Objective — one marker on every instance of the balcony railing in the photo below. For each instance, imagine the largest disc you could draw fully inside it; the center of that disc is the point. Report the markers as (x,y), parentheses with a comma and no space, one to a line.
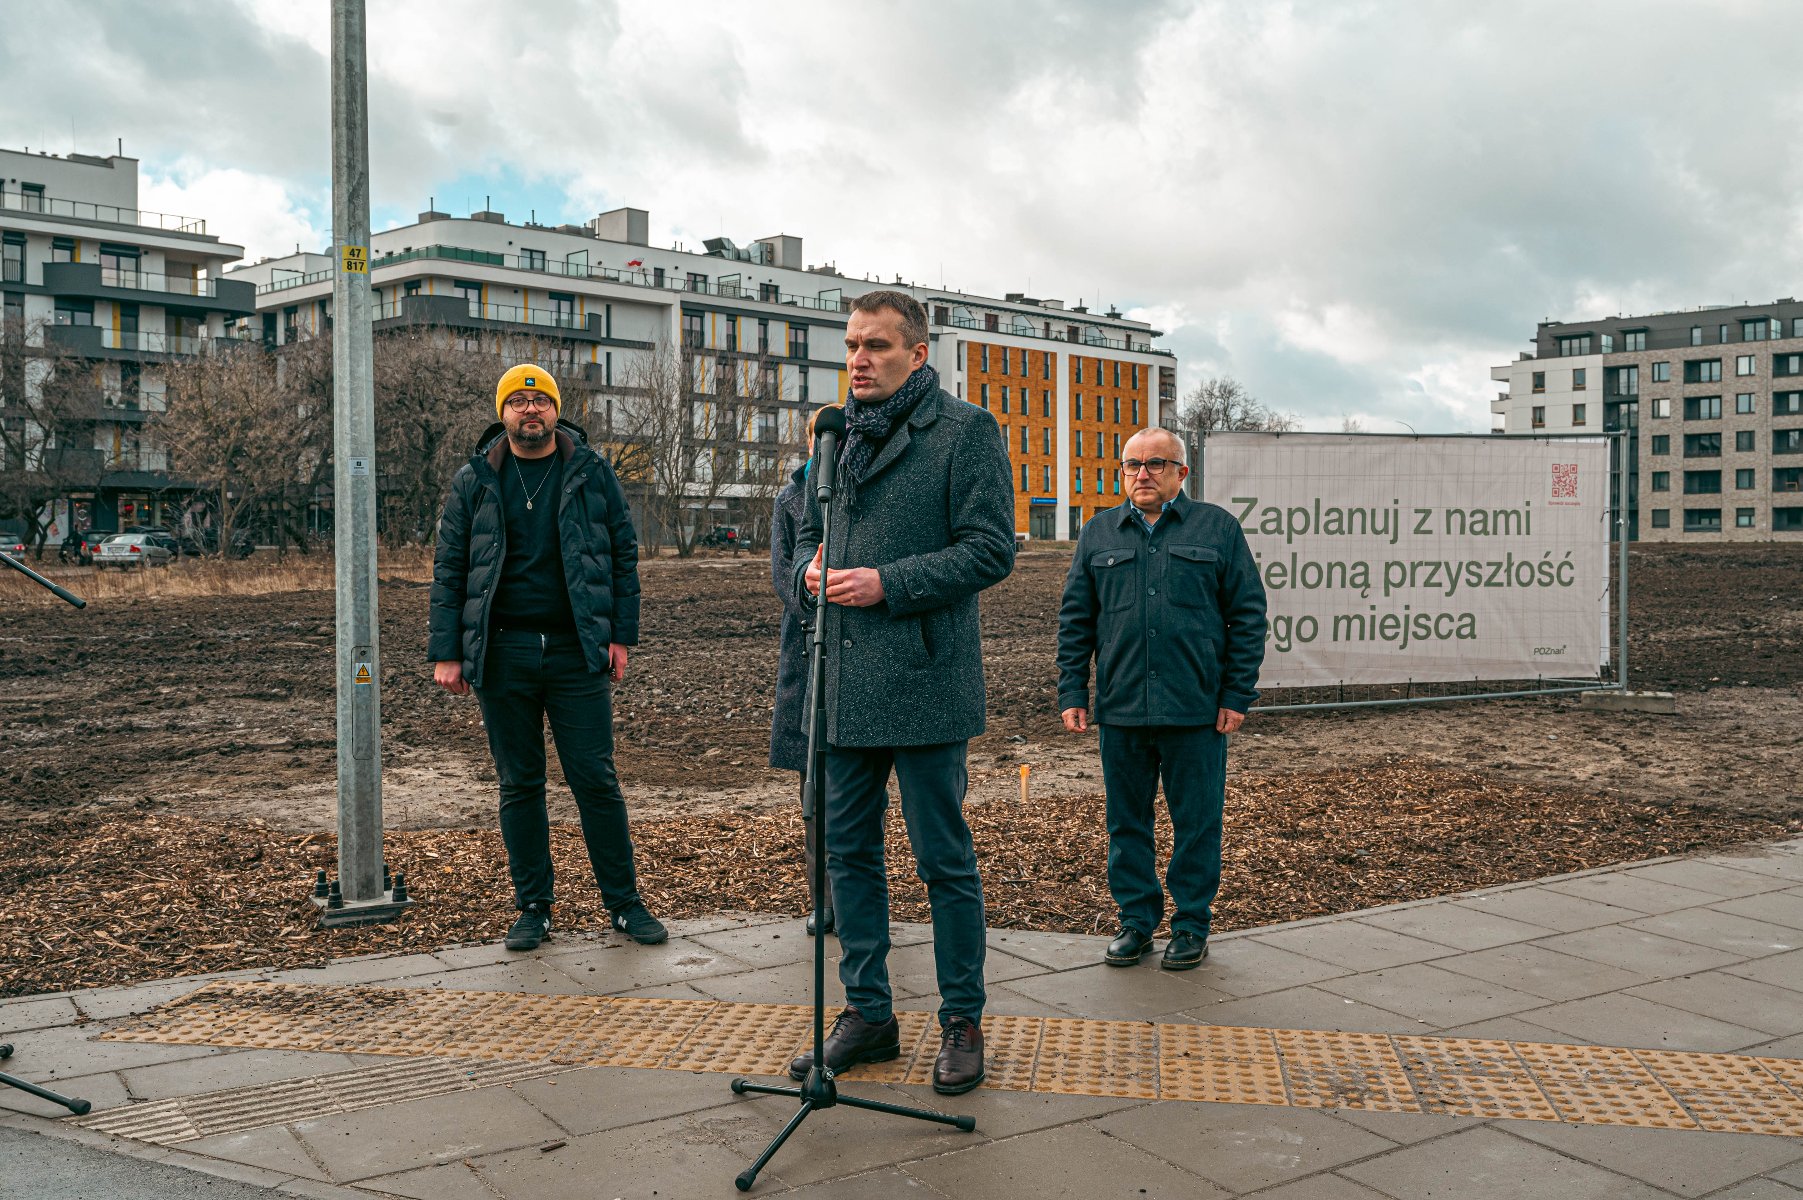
(1089,337)
(152,281)
(82,210)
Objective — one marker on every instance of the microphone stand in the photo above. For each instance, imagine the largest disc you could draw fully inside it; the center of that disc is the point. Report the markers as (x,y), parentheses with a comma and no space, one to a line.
(818,1090)
(78,1107)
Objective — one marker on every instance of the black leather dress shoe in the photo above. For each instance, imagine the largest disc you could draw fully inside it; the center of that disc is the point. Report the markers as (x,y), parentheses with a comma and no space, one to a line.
(814,916)
(960,1064)
(1184,951)
(1126,949)
(851,1041)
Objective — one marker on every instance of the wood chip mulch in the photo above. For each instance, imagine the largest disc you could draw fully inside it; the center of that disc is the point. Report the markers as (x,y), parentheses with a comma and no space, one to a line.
(91,899)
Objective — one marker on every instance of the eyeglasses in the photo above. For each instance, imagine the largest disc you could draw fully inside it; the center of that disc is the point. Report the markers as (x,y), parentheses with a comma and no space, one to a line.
(1153,466)
(526,400)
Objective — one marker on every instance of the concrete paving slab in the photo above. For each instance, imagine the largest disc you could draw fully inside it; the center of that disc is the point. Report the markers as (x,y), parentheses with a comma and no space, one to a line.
(792,983)
(487,954)
(420,1133)
(1780,862)
(625,966)
(1623,1020)
(1784,970)
(1079,1162)
(1690,1163)
(376,969)
(1760,1189)
(18,1015)
(534,973)
(1485,1163)
(1003,1001)
(1715,878)
(1775,908)
(1354,946)
(274,1149)
(1125,993)
(1002,1114)
(1460,928)
(1243,1147)
(229,1069)
(1507,1029)
(1436,997)
(683,1156)
(1542,972)
(765,945)
(1742,936)
(1305,1008)
(1792,1175)
(846,1141)
(1322,1187)
(912,970)
(453,1181)
(72,1051)
(103,1090)
(889,1184)
(1748,1002)
(1540,905)
(1623,890)
(1643,953)
(107,1004)
(1405,1129)
(1053,951)
(59,1170)
(1248,967)
(598,1098)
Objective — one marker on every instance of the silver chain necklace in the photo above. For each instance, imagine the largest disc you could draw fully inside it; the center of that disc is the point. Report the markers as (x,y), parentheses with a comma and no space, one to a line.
(533,494)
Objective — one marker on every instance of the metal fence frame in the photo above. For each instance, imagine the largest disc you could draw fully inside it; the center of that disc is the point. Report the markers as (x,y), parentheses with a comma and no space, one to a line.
(1544,686)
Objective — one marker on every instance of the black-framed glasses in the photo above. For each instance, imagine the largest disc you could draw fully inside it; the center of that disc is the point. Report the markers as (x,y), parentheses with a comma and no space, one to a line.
(525,400)
(1153,466)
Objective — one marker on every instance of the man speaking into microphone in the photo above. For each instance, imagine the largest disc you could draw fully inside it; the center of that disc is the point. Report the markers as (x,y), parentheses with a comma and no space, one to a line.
(923,520)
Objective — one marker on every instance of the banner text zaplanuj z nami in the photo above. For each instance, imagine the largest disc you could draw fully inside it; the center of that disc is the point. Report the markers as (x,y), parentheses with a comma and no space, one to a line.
(1430,559)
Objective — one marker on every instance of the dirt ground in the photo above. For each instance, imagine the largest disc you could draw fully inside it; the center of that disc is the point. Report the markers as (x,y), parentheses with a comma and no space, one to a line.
(222,707)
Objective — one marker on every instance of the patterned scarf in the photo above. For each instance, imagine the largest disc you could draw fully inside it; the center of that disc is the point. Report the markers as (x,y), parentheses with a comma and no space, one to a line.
(868,426)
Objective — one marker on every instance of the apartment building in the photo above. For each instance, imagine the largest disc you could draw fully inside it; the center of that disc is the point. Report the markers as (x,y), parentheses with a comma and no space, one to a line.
(1712,401)
(85,272)
(759,333)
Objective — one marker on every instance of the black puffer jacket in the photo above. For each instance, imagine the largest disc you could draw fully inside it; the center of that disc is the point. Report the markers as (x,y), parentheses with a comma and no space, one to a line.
(594,529)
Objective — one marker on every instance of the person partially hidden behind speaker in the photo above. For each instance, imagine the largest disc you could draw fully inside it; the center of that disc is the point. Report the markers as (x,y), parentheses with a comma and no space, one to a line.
(535,598)
(923,520)
(792,710)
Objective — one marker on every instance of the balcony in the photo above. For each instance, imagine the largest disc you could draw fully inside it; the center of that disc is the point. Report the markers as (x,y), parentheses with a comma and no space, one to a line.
(93,341)
(106,214)
(1090,338)
(456,311)
(150,287)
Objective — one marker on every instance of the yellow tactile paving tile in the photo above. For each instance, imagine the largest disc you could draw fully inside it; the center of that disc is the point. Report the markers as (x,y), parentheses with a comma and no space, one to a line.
(1539,1081)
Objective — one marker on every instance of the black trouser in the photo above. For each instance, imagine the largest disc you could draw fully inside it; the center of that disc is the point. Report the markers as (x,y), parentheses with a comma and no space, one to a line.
(820,902)
(528,677)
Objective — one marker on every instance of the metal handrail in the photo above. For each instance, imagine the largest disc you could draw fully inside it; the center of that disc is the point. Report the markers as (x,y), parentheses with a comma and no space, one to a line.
(83,210)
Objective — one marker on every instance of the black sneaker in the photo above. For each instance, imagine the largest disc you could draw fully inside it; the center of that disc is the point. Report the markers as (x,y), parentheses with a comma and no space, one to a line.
(638,924)
(533,927)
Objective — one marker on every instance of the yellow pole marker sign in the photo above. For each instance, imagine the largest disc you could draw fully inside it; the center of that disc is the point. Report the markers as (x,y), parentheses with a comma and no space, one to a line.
(355,260)
(1025,770)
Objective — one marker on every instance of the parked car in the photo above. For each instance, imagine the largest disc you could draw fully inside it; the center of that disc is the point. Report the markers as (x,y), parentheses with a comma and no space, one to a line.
(92,539)
(181,543)
(726,537)
(141,550)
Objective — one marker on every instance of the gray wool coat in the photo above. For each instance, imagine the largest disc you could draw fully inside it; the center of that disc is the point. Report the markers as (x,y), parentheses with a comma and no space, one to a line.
(935,517)
(789,717)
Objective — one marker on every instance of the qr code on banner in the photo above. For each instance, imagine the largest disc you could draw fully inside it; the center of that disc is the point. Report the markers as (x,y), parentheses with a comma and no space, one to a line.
(1565,483)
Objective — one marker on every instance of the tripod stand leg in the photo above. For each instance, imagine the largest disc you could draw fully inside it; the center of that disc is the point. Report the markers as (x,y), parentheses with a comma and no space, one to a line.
(79,1107)
(920,1114)
(749,1175)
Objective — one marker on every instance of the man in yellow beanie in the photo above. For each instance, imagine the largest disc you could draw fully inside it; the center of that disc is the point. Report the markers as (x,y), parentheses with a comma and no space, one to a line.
(535,598)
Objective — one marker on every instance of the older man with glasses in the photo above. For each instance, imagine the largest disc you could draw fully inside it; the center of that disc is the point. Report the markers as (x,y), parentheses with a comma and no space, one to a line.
(1163,594)
(535,598)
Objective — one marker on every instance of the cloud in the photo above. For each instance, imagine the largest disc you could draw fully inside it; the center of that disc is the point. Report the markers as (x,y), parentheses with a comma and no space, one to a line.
(256,211)
(1351,207)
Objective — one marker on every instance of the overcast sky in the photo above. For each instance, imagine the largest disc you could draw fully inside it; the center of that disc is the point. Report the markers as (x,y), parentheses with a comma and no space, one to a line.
(1355,209)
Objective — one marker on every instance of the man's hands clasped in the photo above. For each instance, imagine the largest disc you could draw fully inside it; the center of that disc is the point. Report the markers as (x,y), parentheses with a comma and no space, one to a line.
(854,587)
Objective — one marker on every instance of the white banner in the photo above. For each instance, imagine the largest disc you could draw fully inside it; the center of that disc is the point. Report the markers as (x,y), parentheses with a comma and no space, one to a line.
(1433,559)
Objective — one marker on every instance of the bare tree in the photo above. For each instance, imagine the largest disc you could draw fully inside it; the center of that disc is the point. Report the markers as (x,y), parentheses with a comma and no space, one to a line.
(1351,425)
(49,403)
(433,400)
(1223,405)
(680,441)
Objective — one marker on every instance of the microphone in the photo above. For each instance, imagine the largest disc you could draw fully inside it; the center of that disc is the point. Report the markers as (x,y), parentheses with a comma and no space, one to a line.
(829,426)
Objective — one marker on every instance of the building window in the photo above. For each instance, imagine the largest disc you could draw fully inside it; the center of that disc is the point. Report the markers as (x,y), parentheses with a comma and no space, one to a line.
(726,379)
(1579,379)
(1007,356)
(1743,479)
(657,277)
(1004,396)
(1743,518)
(1633,340)
(1626,380)
(1077,443)
(1576,345)
(1662,518)
(1077,366)
(1721,334)
(1023,439)
(1539,415)
(1662,406)
(1743,440)
(62,250)
(1046,479)
(983,358)
(801,384)
(73,312)
(31,197)
(1756,330)
(1787,479)
(12,259)
(798,341)
(731,325)
(1743,364)
(1743,403)
(1796,327)
(1787,441)
(1077,406)
(1703,370)
(1662,443)
(1045,440)
(1136,412)
(697,282)
(1696,335)
(1703,520)
(1077,482)
(1023,477)
(694,328)
(1702,408)
(1787,364)
(1662,481)
(1702,445)
(1577,414)
(1702,483)
(1045,402)
(1539,382)
(532,260)
(1662,372)
(983,394)
(769,382)
(1117,383)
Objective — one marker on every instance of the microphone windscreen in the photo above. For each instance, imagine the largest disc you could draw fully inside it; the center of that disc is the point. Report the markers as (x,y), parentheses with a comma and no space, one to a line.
(831,420)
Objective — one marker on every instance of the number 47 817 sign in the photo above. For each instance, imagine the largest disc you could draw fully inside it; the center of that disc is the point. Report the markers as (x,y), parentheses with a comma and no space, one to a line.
(355,260)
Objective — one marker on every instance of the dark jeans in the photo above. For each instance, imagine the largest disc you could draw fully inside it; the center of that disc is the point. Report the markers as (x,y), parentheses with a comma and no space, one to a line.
(527,678)
(819,902)
(1192,760)
(932,781)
